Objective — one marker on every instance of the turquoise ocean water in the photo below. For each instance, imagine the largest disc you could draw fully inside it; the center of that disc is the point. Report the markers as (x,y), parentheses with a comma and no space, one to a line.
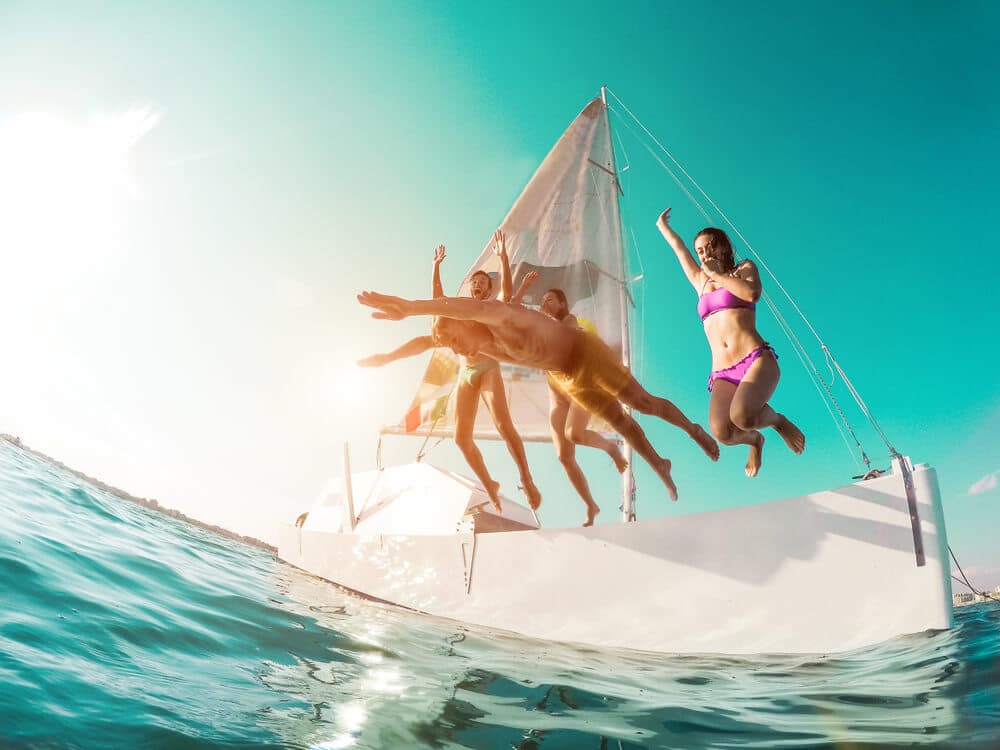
(124,628)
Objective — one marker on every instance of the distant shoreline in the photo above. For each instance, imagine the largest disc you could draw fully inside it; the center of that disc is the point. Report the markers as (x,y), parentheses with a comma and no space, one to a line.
(151,504)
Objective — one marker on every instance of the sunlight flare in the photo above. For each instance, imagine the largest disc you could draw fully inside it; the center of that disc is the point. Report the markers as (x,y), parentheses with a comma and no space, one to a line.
(66,183)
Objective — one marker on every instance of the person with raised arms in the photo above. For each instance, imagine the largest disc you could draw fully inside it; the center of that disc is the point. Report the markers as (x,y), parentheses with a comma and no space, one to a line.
(582,366)
(744,366)
(479,376)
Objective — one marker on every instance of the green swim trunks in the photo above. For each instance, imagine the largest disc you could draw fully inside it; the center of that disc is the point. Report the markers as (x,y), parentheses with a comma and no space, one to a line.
(471,374)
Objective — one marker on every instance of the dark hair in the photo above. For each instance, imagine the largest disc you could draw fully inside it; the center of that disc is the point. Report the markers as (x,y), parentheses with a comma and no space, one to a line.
(481,271)
(560,295)
(721,240)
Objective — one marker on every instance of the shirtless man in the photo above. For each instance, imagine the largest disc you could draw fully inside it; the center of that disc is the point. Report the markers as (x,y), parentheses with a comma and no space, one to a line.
(567,419)
(581,365)
(479,377)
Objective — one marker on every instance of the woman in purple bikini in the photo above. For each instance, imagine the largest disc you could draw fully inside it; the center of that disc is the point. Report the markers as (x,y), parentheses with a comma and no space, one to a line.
(744,366)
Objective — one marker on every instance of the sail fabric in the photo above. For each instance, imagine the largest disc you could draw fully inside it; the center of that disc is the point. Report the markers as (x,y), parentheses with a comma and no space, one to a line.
(566,227)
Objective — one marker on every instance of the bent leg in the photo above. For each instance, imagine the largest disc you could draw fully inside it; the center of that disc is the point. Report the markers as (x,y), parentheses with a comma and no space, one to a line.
(466,406)
(577,432)
(566,451)
(750,410)
(629,429)
(496,401)
(719,409)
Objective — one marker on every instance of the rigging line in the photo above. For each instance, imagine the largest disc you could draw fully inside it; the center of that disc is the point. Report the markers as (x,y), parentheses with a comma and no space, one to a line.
(864,407)
(789,332)
(761,261)
(640,309)
(669,171)
(966,580)
(677,163)
(816,379)
(621,145)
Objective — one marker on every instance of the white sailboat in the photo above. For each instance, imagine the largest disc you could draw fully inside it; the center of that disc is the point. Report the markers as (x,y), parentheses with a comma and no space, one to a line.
(824,572)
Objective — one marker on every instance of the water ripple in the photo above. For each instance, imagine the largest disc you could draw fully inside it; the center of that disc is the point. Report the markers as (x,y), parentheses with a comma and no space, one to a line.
(127,628)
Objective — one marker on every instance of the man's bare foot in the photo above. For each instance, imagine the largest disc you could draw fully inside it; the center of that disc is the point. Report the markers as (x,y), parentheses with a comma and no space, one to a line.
(791,434)
(493,490)
(756,456)
(663,472)
(592,511)
(620,463)
(534,496)
(705,441)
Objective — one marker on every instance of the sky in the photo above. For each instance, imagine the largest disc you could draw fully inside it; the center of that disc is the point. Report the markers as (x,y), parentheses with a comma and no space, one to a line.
(192,194)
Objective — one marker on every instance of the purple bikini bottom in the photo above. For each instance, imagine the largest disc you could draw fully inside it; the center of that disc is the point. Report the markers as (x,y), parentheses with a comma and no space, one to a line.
(735,373)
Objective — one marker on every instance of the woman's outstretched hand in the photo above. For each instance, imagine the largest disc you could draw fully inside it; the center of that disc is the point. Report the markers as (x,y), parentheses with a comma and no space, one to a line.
(386,306)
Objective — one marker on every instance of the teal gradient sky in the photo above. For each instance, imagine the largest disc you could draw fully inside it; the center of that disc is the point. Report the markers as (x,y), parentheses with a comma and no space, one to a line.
(196,346)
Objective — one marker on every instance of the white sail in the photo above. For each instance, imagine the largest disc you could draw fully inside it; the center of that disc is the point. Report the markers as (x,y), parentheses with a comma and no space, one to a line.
(565,226)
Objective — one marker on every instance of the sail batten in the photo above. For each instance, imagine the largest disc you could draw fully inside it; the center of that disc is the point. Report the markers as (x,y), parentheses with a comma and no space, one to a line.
(565,226)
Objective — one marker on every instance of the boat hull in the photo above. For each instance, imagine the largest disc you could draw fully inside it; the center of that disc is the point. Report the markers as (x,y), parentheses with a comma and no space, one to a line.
(825,572)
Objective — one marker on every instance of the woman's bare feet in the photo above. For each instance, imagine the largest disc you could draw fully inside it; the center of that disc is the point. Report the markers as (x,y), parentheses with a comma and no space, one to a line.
(756,456)
(663,472)
(705,441)
(791,434)
(531,491)
(592,510)
(616,455)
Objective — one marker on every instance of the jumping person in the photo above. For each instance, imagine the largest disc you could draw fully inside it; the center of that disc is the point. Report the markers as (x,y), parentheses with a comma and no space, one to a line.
(582,366)
(744,366)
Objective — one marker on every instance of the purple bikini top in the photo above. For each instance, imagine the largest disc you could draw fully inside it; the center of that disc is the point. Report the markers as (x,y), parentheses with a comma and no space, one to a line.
(720,299)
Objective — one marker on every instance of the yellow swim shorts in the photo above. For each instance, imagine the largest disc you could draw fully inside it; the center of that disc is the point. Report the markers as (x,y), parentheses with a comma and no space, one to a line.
(596,375)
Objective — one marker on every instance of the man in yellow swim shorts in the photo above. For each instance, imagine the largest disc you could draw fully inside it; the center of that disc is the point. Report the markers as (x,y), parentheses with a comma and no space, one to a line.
(590,370)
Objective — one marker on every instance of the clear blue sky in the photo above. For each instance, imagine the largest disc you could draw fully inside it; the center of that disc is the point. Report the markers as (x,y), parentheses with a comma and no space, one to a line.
(179,273)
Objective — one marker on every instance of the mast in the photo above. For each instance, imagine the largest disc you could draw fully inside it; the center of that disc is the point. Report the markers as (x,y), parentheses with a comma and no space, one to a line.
(628,481)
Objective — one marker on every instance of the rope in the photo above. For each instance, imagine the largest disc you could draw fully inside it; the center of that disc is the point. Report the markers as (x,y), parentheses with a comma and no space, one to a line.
(965,580)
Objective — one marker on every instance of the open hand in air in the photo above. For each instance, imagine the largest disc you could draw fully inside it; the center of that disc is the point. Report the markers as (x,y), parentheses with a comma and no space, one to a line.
(386,306)
(499,242)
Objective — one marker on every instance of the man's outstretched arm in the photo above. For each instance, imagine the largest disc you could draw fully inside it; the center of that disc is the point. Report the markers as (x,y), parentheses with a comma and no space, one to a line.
(490,312)
(411,348)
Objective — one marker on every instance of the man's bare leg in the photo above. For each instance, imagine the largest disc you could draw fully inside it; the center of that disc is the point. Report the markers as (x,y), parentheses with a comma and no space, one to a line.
(466,405)
(577,431)
(629,429)
(566,451)
(639,398)
(495,396)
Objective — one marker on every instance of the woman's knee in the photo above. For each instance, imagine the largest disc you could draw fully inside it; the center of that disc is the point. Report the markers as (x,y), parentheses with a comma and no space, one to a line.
(722,429)
(744,418)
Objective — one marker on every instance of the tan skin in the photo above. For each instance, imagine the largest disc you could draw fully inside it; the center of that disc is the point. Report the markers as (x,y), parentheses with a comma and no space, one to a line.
(737,413)
(567,419)
(487,385)
(532,339)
